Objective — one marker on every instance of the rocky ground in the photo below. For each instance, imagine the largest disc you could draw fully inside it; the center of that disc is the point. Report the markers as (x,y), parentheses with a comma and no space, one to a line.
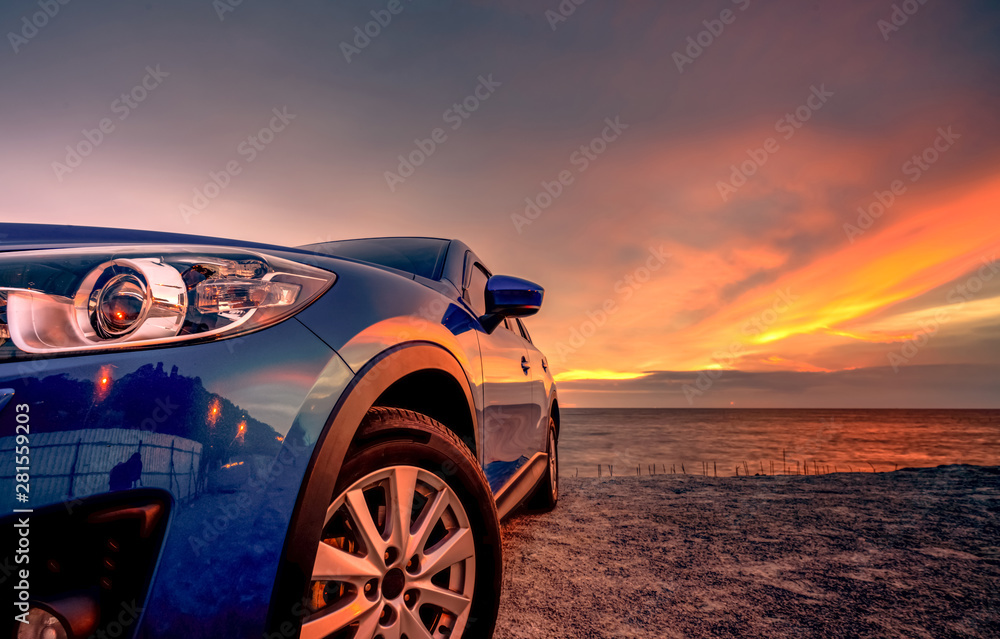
(913,553)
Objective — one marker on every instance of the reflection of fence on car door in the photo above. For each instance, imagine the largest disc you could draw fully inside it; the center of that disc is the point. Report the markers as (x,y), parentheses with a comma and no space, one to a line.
(73,464)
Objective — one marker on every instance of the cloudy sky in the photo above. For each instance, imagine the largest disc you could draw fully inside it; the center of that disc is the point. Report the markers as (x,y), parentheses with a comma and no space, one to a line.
(739,203)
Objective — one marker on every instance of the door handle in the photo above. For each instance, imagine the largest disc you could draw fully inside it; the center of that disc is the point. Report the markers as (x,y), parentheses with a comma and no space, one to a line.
(524,365)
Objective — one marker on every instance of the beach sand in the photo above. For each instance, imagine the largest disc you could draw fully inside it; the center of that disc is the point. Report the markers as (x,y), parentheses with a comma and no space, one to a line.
(912,553)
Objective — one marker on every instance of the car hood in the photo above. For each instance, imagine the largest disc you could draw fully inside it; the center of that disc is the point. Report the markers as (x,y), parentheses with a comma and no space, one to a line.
(23,237)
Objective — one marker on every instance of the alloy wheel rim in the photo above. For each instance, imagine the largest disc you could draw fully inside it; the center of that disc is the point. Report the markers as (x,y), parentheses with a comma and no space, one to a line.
(397,559)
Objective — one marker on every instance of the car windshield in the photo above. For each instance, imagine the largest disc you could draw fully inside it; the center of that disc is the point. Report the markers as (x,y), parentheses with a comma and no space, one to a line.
(418,255)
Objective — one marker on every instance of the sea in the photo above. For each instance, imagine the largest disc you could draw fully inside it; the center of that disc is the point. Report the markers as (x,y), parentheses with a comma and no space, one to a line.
(725,442)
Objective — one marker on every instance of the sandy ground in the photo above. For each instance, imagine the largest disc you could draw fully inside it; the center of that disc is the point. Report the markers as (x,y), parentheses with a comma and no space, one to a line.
(913,553)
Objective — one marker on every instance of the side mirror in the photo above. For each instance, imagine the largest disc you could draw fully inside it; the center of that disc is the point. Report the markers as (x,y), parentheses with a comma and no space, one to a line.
(510,297)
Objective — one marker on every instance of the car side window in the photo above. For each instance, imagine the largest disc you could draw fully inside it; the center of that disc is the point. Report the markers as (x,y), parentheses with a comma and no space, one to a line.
(475,293)
(524,330)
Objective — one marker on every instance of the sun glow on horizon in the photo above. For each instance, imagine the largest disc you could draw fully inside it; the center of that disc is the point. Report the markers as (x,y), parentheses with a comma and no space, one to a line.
(574,375)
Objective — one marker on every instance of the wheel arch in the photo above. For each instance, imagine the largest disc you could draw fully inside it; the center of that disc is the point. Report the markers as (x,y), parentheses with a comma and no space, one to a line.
(397,376)
(439,395)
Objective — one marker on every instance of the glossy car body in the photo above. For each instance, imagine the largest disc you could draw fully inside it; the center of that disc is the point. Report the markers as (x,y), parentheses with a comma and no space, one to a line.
(223,453)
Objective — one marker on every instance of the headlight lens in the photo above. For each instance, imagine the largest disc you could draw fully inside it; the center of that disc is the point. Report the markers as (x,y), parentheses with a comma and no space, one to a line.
(120,305)
(91,299)
(145,296)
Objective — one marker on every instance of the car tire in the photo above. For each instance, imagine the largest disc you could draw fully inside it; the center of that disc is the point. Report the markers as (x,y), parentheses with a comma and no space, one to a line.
(438,577)
(546,494)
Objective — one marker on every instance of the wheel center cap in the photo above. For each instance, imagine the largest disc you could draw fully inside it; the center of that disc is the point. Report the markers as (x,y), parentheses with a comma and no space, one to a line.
(393,583)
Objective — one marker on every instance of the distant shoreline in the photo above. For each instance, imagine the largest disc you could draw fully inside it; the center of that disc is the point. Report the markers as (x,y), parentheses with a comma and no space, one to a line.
(773,441)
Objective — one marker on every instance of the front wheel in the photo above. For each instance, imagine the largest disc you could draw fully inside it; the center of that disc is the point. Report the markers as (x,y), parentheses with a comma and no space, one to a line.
(411,543)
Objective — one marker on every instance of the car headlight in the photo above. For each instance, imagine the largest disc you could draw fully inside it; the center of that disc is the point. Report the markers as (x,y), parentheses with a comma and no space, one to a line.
(68,300)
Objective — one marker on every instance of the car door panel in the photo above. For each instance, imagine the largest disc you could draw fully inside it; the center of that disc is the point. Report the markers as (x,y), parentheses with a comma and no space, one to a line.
(509,419)
(541,383)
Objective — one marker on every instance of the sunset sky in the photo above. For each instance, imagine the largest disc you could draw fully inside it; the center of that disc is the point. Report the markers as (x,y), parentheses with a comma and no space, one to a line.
(693,207)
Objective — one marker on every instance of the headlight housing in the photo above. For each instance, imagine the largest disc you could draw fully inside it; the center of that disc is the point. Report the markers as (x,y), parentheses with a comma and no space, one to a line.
(68,300)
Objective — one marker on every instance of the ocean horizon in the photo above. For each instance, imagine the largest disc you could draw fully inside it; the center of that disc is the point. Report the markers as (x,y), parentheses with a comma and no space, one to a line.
(724,441)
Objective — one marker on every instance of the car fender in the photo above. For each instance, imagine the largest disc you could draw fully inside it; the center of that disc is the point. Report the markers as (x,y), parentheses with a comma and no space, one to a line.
(371,309)
(299,553)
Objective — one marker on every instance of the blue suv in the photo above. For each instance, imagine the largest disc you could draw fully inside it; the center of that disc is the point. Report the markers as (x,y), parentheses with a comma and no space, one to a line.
(211,438)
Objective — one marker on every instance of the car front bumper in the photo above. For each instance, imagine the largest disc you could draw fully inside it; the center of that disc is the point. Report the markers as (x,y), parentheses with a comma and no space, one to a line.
(220,432)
